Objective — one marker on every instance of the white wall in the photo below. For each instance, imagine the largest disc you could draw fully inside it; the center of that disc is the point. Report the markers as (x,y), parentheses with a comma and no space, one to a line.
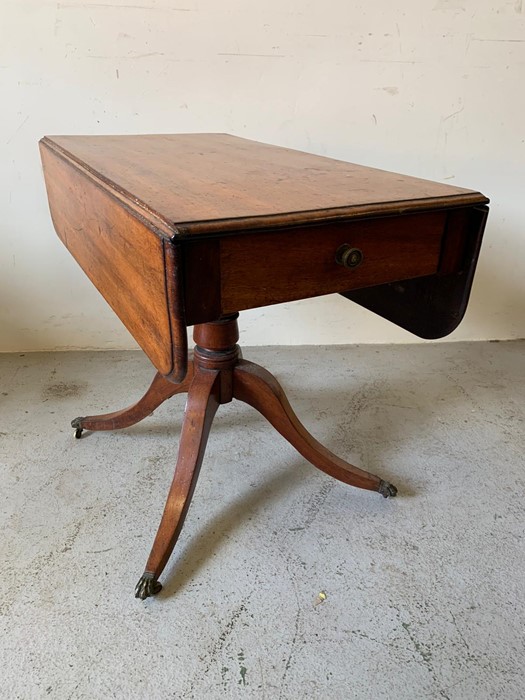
(433,88)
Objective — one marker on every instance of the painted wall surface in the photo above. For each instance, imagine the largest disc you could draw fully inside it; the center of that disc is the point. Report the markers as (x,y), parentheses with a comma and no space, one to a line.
(432,88)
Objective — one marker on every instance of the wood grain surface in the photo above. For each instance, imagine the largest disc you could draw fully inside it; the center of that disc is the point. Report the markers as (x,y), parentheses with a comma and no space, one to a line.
(187,184)
(133,268)
(270,268)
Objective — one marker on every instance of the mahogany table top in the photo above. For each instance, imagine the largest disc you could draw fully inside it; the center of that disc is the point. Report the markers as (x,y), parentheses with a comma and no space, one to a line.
(189,184)
(179,230)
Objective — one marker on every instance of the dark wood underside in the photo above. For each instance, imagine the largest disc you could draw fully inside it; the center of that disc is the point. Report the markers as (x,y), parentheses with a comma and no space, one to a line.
(433,306)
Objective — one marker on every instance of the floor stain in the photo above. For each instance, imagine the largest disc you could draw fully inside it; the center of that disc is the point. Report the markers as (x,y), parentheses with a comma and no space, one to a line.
(242,668)
(70,539)
(64,390)
(217,650)
(421,649)
(224,673)
(316,501)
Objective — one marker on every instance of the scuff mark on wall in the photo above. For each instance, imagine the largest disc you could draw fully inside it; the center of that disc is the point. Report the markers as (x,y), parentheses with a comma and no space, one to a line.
(390,89)
(450,5)
(449,116)
(111,6)
(253,55)
(15,132)
(500,41)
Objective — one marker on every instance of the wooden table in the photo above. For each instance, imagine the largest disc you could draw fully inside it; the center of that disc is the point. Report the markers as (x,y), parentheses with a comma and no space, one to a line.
(188,230)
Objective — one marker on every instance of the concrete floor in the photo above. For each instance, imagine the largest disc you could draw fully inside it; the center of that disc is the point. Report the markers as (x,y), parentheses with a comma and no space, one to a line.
(424,593)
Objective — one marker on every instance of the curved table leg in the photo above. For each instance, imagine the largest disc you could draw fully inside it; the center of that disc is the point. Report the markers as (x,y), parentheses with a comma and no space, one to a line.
(160,390)
(257,387)
(203,401)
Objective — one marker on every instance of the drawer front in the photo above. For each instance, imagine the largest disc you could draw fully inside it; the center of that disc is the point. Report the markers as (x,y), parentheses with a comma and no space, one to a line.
(286,265)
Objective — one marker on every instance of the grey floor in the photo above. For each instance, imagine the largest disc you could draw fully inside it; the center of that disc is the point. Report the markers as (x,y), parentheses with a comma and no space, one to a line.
(285,583)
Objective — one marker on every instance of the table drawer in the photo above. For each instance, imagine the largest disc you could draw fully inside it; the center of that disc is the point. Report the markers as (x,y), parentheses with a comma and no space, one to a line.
(286,265)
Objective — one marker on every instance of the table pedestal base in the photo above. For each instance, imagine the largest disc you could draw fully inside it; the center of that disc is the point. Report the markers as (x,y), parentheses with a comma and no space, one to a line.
(216,375)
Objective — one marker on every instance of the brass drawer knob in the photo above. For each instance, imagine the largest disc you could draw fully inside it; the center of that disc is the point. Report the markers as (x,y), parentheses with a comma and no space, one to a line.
(348,256)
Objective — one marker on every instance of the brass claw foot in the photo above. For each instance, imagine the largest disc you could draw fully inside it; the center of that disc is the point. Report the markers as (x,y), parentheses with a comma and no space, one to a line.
(147,586)
(386,489)
(76,423)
